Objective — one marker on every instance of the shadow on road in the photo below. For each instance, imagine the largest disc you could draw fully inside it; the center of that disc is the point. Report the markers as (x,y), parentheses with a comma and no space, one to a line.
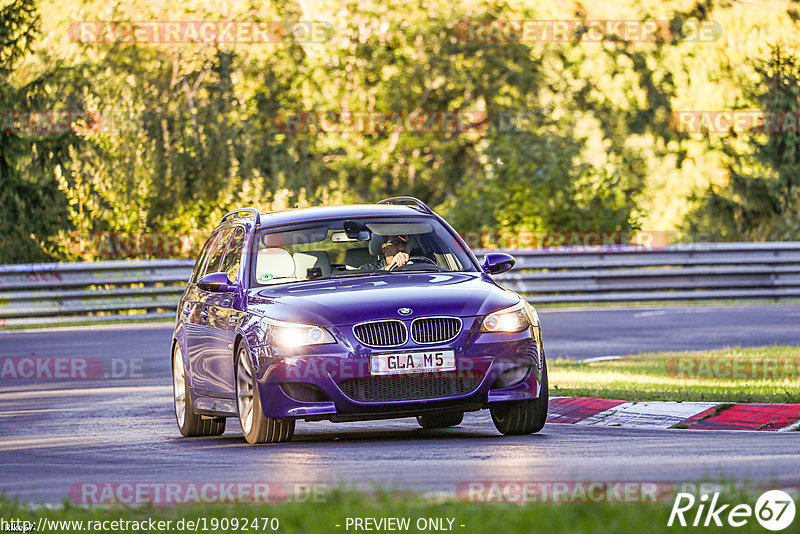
(353,436)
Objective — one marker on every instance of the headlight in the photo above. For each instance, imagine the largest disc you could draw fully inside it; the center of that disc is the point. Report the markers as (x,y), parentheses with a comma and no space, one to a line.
(510,320)
(291,335)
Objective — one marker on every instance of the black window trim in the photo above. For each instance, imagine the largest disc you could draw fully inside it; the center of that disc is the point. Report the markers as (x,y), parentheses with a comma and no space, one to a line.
(203,258)
(218,231)
(236,227)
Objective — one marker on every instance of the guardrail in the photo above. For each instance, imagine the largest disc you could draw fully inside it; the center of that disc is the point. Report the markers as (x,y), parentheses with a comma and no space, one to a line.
(124,290)
(696,271)
(66,292)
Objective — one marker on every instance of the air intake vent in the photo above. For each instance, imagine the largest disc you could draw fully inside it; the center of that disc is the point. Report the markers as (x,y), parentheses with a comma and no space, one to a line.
(532,351)
(411,387)
(381,333)
(426,330)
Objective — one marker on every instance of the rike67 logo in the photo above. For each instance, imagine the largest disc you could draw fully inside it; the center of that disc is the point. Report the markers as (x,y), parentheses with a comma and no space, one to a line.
(774,510)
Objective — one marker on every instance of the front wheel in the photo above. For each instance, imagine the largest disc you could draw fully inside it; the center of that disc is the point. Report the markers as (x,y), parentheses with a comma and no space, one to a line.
(527,417)
(255,427)
(190,423)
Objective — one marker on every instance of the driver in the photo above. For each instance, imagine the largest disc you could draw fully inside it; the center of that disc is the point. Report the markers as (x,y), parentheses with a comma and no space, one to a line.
(395,250)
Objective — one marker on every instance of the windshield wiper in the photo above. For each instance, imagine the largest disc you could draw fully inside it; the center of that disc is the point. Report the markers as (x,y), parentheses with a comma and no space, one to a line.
(351,274)
(430,269)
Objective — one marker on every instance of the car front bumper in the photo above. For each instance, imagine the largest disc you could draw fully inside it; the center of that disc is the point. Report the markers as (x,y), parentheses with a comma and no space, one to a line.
(333,371)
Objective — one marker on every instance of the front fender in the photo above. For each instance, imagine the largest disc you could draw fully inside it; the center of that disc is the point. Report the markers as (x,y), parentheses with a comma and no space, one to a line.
(250,331)
(179,339)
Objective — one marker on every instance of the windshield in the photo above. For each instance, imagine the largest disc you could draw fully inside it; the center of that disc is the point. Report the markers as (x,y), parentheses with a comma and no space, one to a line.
(356,247)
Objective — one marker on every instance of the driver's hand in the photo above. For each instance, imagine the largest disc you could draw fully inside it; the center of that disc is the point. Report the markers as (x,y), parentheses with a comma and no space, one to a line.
(400,259)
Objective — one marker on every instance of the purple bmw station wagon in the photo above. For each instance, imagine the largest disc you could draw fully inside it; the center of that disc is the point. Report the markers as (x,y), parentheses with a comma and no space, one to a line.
(351,313)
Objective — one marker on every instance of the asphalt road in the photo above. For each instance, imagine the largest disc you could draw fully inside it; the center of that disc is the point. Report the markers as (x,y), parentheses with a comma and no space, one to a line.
(55,434)
(585,333)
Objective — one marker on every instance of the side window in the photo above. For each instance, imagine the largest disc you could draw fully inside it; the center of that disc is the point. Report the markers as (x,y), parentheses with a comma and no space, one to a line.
(233,257)
(203,257)
(216,254)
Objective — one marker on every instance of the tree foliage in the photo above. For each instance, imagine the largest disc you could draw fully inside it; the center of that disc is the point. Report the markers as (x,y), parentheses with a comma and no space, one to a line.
(31,205)
(565,136)
(761,201)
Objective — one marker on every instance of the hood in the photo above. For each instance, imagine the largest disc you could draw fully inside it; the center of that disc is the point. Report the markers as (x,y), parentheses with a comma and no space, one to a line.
(348,301)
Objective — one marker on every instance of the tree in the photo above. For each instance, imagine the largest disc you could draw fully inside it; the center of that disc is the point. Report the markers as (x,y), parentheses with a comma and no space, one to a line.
(34,149)
(762,198)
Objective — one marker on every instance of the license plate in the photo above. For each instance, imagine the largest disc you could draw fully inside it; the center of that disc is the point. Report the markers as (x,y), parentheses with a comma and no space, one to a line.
(412,362)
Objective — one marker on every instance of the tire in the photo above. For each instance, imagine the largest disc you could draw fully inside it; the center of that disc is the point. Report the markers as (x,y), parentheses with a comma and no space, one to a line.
(443,420)
(255,427)
(190,424)
(527,417)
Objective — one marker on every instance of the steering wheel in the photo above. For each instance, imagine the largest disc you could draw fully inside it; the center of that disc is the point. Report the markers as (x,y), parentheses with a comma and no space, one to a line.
(411,259)
(420,259)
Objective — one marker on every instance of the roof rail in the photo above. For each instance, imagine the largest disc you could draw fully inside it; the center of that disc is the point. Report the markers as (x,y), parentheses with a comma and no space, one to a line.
(254,212)
(397,200)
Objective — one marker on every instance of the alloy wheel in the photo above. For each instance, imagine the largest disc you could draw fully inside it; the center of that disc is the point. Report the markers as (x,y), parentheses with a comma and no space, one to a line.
(179,385)
(244,391)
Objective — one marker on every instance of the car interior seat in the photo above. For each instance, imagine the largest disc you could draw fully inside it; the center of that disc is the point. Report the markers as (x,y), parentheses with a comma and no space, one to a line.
(375,245)
(311,259)
(274,264)
(356,257)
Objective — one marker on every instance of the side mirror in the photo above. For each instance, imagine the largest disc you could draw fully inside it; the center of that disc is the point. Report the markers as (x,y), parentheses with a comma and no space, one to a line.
(498,262)
(216,282)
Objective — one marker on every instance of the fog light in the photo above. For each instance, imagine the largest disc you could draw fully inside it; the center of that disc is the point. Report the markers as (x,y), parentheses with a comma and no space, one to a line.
(512,377)
(304,392)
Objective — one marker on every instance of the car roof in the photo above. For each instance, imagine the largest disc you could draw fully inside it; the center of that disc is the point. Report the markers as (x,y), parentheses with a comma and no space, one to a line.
(301,215)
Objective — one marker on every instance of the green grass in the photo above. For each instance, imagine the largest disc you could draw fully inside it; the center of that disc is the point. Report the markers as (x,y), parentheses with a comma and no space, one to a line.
(659,303)
(728,375)
(567,517)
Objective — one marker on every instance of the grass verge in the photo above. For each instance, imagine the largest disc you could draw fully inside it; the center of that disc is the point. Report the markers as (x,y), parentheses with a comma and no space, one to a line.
(753,374)
(658,303)
(332,515)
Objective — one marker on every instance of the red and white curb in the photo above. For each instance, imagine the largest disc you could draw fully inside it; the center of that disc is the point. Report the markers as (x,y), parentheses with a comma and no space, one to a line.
(691,415)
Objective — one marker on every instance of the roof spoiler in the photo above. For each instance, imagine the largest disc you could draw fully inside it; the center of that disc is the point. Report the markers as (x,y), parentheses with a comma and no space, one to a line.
(254,213)
(399,200)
